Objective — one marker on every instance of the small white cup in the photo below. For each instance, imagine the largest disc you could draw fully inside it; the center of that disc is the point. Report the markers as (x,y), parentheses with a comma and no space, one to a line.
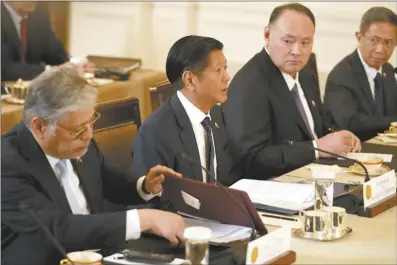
(372,163)
(83,258)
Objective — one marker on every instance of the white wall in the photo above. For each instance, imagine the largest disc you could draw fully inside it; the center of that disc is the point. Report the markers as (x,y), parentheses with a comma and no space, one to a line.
(148,29)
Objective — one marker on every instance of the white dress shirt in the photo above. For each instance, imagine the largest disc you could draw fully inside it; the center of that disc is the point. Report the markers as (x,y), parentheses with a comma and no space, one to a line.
(15,17)
(371,73)
(196,116)
(133,226)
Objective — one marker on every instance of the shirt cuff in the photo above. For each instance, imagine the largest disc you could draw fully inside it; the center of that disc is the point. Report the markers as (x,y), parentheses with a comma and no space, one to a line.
(316,153)
(133,225)
(144,196)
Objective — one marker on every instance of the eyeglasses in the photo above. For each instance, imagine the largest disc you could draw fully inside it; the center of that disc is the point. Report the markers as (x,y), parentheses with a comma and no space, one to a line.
(76,134)
(385,42)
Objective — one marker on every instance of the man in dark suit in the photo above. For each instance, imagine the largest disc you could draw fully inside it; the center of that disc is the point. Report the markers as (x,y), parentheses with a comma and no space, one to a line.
(361,90)
(275,98)
(28,44)
(190,121)
(50,165)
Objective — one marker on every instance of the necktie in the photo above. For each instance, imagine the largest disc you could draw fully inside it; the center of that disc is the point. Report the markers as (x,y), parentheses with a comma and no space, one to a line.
(64,178)
(23,38)
(299,105)
(209,149)
(379,97)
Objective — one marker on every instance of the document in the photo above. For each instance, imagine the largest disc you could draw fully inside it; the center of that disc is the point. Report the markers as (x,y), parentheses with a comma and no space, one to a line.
(291,196)
(386,157)
(118,258)
(221,233)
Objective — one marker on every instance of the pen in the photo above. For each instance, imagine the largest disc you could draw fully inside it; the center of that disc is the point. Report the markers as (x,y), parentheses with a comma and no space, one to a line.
(280,217)
(331,130)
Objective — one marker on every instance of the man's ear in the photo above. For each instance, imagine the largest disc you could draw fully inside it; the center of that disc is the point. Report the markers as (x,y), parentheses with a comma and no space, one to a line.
(358,35)
(38,127)
(189,81)
(266,34)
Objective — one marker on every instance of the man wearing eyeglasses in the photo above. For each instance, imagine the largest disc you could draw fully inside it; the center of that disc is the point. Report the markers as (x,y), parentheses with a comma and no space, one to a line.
(361,91)
(52,166)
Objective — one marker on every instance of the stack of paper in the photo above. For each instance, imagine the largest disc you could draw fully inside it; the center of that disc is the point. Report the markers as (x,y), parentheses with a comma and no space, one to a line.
(221,233)
(292,196)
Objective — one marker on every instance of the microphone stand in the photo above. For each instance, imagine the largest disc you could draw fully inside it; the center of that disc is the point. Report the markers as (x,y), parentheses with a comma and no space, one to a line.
(367,178)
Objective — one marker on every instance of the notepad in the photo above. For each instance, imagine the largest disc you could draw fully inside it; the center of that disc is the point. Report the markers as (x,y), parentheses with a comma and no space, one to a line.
(291,196)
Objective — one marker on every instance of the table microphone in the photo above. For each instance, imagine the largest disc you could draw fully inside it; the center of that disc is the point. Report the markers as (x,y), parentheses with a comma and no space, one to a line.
(192,160)
(333,154)
(47,232)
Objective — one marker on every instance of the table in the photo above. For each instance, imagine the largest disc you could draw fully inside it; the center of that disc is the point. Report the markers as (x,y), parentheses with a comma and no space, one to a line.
(138,86)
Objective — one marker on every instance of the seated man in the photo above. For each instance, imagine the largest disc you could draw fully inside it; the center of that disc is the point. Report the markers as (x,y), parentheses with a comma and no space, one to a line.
(361,91)
(190,122)
(28,43)
(51,165)
(275,98)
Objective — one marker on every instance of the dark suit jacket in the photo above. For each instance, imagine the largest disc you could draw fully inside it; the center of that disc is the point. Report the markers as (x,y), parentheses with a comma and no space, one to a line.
(43,47)
(27,177)
(168,132)
(348,96)
(260,114)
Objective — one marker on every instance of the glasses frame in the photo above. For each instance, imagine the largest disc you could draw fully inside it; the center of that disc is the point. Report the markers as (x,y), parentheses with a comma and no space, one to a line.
(76,134)
(374,40)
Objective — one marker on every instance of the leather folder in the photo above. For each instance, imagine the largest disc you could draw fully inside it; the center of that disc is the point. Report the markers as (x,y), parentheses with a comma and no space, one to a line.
(211,202)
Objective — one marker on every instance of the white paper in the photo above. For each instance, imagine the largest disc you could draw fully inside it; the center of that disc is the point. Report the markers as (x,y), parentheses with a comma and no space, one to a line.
(291,196)
(315,167)
(115,259)
(379,188)
(221,233)
(268,247)
(386,157)
(386,139)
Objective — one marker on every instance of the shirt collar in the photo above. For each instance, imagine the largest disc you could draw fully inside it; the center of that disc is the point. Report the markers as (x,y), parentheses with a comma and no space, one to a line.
(53,161)
(288,79)
(195,115)
(14,15)
(371,72)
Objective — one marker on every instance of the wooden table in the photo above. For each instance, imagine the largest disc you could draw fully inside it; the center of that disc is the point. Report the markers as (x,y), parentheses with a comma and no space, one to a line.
(138,86)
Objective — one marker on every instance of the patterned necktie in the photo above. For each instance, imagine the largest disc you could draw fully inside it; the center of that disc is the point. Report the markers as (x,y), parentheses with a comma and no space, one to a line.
(209,149)
(299,105)
(64,178)
(379,97)
(23,38)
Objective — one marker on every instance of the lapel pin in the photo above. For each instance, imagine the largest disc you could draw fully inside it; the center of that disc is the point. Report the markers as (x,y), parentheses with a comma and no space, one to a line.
(79,160)
(313,103)
(384,75)
(216,125)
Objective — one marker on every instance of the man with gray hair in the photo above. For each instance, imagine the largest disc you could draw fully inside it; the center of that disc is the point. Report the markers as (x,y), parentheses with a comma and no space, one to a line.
(361,90)
(52,166)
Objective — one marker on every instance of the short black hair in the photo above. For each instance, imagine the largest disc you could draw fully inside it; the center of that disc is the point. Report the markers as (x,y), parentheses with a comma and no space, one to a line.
(377,14)
(278,11)
(189,53)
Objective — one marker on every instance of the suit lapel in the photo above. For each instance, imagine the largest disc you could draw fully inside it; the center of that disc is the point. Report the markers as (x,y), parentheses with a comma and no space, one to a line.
(187,137)
(215,124)
(9,27)
(41,168)
(83,172)
(279,88)
(363,81)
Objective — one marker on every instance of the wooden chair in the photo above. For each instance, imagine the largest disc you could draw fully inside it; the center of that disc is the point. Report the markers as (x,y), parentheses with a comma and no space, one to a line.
(160,93)
(116,130)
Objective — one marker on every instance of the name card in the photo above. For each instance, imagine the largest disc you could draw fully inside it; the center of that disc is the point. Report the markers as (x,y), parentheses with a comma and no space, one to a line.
(379,188)
(269,247)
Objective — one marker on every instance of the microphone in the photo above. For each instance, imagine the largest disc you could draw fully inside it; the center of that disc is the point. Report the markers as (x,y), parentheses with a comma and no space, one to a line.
(47,232)
(333,154)
(225,189)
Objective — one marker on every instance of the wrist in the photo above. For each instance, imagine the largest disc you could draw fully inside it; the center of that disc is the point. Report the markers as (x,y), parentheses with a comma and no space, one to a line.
(144,187)
(144,220)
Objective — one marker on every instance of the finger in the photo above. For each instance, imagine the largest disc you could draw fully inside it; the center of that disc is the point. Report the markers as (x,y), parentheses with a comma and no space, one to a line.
(173,239)
(180,237)
(166,171)
(157,180)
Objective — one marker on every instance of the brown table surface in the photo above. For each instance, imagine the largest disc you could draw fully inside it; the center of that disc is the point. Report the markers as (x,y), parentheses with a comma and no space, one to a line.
(138,86)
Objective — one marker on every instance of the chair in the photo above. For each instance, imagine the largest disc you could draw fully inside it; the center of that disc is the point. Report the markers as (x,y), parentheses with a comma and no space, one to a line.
(160,93)
(116,130)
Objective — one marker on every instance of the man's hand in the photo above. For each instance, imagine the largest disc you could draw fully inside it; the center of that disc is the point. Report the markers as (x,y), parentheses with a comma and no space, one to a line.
(165,224)
(341,143)
(155,178)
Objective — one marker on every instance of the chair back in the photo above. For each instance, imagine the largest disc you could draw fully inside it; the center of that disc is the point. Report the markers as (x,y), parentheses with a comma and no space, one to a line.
(161,93)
